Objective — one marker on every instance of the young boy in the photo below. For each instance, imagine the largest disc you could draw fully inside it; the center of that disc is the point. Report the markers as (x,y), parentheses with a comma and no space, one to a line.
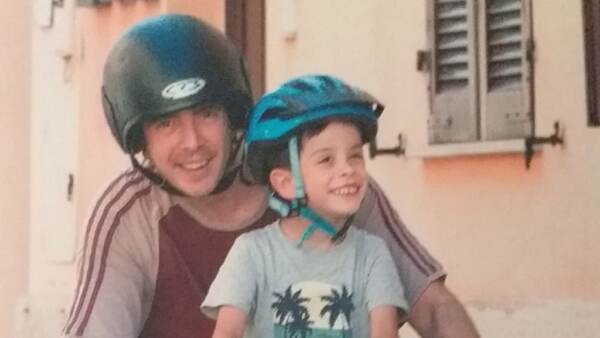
(309,274)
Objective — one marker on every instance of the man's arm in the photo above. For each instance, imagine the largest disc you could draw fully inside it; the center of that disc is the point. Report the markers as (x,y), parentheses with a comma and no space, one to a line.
(112,293)
(434,312)
(439,314)
(231,323)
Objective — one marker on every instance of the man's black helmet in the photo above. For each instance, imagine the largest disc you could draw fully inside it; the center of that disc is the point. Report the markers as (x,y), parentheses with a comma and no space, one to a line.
(168,63)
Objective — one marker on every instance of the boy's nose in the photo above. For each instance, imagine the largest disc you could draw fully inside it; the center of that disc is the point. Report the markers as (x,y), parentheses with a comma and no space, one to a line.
(346,167)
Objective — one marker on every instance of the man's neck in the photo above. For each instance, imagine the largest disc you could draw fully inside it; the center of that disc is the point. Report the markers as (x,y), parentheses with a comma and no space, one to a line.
(235,208)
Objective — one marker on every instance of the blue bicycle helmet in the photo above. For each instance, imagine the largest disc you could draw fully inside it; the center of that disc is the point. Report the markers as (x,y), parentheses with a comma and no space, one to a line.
(307,99)
(277,118)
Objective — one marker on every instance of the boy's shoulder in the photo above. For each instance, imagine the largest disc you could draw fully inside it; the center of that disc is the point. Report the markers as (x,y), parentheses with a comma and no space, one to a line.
(266,233)
(366,239)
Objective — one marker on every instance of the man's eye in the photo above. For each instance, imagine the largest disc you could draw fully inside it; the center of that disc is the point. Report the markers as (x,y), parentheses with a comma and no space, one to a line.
(206,112)
(163,123)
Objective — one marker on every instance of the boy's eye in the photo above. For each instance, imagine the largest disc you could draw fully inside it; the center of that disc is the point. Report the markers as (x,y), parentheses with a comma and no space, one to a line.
(357,155)
(325,159)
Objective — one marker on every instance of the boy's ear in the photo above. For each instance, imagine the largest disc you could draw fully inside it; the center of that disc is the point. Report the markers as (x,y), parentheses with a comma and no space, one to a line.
(281,182)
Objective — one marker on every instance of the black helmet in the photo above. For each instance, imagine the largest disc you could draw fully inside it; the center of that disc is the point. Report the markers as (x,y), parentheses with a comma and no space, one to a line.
(168,63)
(298,102)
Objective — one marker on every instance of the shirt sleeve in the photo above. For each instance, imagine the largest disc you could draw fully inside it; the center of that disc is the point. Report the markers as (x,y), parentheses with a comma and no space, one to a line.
(112,297)
(415,266)
(235,284)
(383,282)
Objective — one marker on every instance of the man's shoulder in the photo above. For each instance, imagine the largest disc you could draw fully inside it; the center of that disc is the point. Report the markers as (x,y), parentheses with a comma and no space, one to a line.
(372,198)
(128,196)
(121,183)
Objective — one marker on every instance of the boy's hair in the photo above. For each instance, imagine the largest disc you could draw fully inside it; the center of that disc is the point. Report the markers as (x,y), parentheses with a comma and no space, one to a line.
(280,156)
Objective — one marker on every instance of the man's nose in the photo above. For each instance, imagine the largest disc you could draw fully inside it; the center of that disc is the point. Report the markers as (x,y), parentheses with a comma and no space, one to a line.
(191,136)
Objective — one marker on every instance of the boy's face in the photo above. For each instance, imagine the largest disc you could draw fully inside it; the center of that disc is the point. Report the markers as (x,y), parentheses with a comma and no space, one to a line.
(188,148)
(333,171)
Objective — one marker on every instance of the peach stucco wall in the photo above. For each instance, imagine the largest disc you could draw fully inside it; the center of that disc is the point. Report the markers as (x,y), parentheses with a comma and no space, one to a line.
(15,63)
(519,246)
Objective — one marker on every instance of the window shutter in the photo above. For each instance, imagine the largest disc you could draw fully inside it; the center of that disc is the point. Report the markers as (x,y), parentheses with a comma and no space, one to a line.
(453,90)
(506,88)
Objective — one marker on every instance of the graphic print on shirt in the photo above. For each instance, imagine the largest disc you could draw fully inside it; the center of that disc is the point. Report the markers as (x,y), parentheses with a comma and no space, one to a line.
(312,309)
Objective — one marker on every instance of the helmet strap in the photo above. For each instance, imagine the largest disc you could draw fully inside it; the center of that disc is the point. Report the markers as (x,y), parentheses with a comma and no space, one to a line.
(233,164)
(155,177)
(296,178)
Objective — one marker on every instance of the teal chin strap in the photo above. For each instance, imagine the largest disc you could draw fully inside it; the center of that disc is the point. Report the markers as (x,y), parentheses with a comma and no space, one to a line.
(299,201)
(317,223)
(298,204)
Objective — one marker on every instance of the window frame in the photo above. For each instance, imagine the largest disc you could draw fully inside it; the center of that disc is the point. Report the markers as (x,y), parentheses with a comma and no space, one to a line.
(591,34)
(245,26)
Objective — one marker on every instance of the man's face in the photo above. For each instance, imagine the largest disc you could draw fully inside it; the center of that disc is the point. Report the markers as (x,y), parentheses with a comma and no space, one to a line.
(190,148)
(333,171)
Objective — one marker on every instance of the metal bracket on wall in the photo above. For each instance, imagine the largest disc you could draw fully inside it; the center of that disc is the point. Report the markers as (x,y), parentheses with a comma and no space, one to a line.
(397,150)
(92,2)
(86,3)
(43,12)
(530,141)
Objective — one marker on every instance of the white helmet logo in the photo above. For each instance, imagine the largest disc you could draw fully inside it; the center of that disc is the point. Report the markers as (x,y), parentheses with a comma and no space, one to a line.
(183,88)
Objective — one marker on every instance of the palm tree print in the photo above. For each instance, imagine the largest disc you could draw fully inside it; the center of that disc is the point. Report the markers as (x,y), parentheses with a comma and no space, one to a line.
(299,327)
(338,304)
(288,304)
(290,313)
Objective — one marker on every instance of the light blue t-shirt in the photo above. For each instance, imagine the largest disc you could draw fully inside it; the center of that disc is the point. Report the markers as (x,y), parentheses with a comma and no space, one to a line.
(291,291)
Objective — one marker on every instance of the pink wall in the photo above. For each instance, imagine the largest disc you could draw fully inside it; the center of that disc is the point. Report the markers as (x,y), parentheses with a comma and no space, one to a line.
(15,90)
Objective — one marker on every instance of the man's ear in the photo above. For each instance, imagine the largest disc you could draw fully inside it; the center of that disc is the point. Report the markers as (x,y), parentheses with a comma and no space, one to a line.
(281,182)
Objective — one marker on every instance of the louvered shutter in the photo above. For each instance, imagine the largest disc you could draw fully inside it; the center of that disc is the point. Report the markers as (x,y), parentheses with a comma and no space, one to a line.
(505,97)
(453,89)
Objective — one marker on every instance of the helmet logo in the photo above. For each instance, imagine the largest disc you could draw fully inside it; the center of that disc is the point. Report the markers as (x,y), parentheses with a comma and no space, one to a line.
(183,88)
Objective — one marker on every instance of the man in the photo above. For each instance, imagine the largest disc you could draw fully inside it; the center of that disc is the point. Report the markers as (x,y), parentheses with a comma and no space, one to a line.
(176,97)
